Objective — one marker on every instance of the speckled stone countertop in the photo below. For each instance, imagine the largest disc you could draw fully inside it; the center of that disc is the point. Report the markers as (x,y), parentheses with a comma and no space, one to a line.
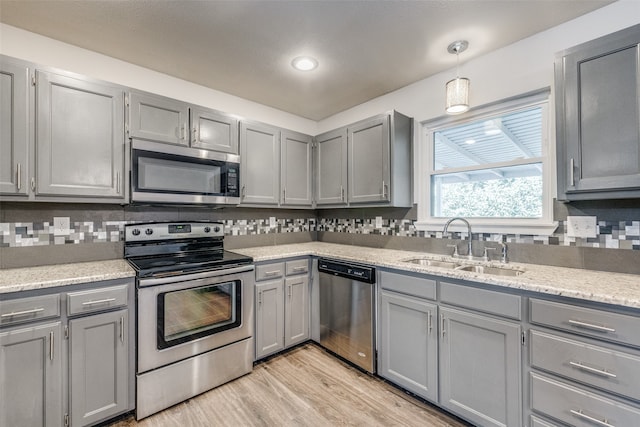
(49,276)
(611,288)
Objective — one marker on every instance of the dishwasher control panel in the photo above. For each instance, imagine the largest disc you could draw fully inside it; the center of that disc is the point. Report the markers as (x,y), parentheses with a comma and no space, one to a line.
(359,272)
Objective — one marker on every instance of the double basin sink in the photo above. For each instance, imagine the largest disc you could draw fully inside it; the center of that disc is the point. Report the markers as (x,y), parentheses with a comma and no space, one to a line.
(452,265)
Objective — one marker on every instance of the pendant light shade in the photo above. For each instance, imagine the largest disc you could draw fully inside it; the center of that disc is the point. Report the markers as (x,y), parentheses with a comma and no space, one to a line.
(457,90)
(457,95)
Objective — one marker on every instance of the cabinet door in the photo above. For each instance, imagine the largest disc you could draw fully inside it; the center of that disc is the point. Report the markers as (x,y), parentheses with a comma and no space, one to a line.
(601,116)
(331,168)
(14,132)
(99,369)
(31,372)
(79,137)
(158,119)
(369,161)
(296,310)
(259,164)
(269,318)
(409,343)
(211,130)
(296,169)
(480,368)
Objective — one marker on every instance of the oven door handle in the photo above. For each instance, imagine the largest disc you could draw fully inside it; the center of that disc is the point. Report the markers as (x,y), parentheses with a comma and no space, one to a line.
(154,281)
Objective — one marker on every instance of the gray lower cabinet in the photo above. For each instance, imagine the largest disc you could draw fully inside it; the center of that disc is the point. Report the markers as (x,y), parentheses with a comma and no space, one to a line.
(282,305)
(296,169)
(259,164)
(269,318)
(99,366)
(14,131)
(331,168)
(80,148)
(598,118)
(408,351)
(31,372)
(480,367)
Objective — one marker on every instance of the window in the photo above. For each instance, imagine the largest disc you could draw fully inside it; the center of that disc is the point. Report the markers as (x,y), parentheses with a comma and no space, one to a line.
(492,167)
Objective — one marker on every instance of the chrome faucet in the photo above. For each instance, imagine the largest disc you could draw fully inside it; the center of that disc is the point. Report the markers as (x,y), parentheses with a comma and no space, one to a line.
(445,232)
(503,250)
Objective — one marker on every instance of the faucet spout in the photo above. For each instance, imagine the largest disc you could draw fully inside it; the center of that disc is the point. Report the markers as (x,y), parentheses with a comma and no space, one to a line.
(457,218)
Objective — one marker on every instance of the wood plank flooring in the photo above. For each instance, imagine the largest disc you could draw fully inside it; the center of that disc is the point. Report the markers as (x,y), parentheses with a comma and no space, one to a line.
(304,387)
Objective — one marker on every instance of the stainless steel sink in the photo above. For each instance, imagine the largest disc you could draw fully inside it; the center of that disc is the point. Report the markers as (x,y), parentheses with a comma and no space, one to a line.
(432,263)
(495,271)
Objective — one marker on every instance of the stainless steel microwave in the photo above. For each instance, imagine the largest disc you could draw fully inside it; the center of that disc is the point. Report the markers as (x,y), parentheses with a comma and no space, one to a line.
(163,173)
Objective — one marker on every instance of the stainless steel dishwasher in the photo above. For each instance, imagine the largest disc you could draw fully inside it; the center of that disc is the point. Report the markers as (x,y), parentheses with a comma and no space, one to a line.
(347,311)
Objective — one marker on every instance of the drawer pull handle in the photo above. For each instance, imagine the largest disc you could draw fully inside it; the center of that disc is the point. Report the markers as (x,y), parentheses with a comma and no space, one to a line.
(51,345)
(591,326)
(271,273)
(584,416)
(22,313)
(299,268)
(100,301)
(593,370)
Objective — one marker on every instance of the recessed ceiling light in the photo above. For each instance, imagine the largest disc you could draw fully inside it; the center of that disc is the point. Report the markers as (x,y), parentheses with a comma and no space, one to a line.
(304,63)
(470,141)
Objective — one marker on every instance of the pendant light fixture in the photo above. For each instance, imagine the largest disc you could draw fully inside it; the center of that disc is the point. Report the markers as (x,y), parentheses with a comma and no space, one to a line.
(458,88)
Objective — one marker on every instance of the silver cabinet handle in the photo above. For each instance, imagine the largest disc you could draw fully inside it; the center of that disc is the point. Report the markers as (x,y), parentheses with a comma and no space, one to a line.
(430,322)
(271,273)
(19,176)
(183,132)
(100,301)
(33,184)
(242,193)
(122,329)
(289,290)
(260,298)
(301,282)
(299,268)
(51,345)
(284,195)
(592,370)
(195,134)
(342,193)
(571,177)
(590,326)
(385,190)
(118,182)
(22,313)
(584,416)
(443,329)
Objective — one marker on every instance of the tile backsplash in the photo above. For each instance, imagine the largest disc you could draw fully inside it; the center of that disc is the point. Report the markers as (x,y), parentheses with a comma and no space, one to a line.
(610,234)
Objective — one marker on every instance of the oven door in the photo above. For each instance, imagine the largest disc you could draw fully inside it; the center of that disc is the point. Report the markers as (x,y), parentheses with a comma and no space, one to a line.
(193,314)
(163,173)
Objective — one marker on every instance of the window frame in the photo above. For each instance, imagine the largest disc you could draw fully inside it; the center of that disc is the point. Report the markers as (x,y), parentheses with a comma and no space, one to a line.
(543,226)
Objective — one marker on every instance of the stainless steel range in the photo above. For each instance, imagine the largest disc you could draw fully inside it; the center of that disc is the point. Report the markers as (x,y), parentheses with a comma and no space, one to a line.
(194,311)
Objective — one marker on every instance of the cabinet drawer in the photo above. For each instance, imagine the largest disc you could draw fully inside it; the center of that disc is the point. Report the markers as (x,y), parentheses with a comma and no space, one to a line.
(578,407)
(410,285)
(269,271)
(587,321)
(28,309)
(297,267)
(492,302)
(607,369)
(96,299)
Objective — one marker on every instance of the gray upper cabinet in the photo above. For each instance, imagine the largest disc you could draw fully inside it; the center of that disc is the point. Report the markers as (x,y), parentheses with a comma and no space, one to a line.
(259,164)
(211,130)
(480,368)
(598,118)
(158,119)
(331,168)
(368,153)
(14,131)
(367,163)
(80,147)
(99,369)
(296,169)
(31,372)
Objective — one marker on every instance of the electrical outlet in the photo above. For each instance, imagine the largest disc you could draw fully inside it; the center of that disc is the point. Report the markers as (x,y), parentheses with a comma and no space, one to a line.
(378,222)
(61,225)
(581,226)
(272,222)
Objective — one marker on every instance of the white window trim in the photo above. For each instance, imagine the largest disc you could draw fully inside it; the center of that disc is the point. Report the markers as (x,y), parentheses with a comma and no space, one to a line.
(543,226)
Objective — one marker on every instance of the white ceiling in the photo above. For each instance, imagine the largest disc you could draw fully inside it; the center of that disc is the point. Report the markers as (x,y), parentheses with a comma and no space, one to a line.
(245,47)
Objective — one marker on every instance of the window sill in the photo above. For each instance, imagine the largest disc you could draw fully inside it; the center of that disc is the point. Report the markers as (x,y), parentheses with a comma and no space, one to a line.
(514,226)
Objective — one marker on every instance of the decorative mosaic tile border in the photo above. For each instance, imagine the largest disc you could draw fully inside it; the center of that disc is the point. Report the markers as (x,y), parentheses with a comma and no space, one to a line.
(610,234)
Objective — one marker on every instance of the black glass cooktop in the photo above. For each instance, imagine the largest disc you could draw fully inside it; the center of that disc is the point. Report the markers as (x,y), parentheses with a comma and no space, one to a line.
(164,265)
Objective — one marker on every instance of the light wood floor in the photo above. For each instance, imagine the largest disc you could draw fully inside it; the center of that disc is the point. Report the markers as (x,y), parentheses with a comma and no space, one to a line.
(304,387)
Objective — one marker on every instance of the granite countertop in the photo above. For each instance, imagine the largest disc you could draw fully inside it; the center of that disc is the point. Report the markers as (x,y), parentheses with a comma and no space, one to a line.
(611,288)
(49,276)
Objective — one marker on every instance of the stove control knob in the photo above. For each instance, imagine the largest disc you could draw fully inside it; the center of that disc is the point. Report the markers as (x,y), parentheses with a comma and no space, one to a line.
(148,231)
(216,229)
(135,231)
(207,229)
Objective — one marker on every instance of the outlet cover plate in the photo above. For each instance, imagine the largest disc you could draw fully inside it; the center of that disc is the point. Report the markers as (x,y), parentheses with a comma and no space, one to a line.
(61,225)
(581,226)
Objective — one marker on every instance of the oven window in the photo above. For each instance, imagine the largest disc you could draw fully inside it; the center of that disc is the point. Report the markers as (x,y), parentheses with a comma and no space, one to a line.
(190,314)
(176,176)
